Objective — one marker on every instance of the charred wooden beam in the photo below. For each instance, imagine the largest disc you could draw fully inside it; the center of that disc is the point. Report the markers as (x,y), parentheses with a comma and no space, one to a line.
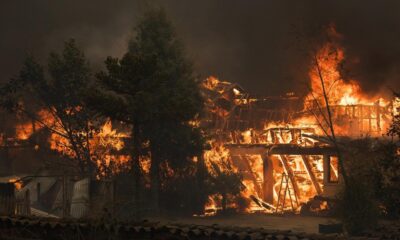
(268,180)
(292,149)
(249,149)
(262,203)
(279,149)
(311,174)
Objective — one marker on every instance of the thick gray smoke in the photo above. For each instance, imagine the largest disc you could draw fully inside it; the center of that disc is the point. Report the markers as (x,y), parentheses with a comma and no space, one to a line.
(252,42)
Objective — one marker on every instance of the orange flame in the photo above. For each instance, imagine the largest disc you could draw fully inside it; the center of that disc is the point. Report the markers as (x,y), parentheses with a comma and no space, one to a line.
(17,183)
(103,144)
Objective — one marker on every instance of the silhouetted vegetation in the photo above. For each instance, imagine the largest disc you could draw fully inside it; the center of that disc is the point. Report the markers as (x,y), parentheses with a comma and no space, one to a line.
(153,89)
(373,165)
(59,92)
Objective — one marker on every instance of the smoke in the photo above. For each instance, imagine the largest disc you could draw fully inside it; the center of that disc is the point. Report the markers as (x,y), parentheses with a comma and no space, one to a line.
(254,43)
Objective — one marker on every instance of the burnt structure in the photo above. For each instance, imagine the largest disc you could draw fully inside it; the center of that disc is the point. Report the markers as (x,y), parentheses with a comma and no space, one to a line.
(284,165)
(278,144)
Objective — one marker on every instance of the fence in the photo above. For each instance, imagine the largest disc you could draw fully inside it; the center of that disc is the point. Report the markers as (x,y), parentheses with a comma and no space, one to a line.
(7,199)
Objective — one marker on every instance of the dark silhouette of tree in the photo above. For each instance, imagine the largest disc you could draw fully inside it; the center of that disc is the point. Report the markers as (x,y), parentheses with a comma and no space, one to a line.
(153,89)
(394,129)
(226,182)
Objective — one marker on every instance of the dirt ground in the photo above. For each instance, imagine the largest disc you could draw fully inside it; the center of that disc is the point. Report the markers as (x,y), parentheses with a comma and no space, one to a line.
(294,223)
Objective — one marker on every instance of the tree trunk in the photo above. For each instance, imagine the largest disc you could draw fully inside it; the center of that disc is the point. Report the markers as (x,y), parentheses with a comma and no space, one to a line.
(136,171)
(81,162)
(224,201)
(201,175)
(155,178)
(330,123)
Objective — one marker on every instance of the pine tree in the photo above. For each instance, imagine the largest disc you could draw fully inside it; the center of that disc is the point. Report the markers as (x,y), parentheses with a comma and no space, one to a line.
(153,89)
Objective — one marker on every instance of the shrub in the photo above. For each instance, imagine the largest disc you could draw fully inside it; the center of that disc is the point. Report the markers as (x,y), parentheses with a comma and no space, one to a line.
(357,208)
(388,170)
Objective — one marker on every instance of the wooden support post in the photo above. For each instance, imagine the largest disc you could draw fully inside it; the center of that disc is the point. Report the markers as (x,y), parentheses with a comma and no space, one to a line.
(233,135)
(361,118)
(273,137)
(326,168)
(268,179)
(378,117)
(311,174)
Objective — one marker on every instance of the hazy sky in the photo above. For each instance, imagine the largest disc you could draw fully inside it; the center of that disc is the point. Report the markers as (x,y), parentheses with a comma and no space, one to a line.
(252,42)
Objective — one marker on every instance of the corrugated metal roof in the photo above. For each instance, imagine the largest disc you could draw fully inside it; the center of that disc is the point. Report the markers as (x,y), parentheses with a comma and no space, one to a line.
(39,213)
(80,198)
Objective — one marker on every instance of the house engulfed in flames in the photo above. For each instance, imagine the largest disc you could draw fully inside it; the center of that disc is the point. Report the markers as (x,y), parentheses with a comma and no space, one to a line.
(278,144)
(282,145)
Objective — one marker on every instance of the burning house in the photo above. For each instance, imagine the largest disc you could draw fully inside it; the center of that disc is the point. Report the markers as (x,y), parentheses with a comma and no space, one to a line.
(278,145)
(282,164)
(283,146)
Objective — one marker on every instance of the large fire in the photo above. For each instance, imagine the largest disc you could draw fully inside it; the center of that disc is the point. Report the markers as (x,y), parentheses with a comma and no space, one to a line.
(346,99)
(326,65)
(353,113)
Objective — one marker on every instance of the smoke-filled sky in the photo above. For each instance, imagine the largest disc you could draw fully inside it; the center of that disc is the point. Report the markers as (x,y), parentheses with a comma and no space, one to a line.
(252,42)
